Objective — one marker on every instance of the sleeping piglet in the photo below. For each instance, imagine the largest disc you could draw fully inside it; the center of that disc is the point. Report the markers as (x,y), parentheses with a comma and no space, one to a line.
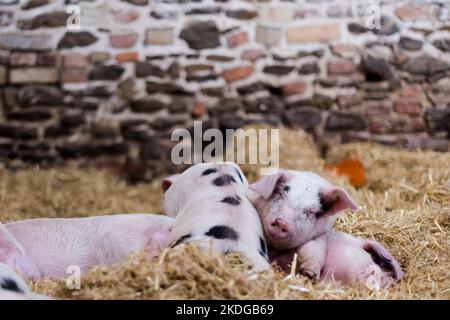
(297,210)
(47,247)
(211,209)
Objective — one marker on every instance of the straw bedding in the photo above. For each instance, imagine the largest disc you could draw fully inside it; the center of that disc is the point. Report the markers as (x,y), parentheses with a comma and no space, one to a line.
(405,205)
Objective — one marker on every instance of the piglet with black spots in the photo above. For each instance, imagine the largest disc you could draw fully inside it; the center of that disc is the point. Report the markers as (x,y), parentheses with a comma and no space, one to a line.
(297,210)
(211,209)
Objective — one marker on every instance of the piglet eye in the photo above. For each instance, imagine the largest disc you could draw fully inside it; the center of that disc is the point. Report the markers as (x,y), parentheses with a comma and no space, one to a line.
(277,193)
(311,212)
(280,190)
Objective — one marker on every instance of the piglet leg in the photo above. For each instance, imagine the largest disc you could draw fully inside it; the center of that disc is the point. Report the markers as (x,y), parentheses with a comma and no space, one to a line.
(312,257)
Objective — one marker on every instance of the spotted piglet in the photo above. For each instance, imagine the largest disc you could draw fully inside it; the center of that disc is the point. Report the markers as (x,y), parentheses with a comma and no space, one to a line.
(211,209)
(297,210)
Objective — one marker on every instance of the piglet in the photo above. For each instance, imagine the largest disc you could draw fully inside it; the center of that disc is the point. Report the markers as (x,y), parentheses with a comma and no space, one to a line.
(297,210)
(211,209)
(47,247)
(13,287)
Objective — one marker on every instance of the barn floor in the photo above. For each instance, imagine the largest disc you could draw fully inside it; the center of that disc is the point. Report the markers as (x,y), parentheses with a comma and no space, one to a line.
(405,205)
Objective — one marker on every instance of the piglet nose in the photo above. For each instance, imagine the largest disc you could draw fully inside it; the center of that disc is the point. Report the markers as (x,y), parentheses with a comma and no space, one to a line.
(281,224)
(279,229)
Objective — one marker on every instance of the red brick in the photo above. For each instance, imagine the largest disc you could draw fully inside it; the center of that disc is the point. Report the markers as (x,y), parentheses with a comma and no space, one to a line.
(74,75)
(126,40)
(131,56)
(378,108)
(314,33)
(99,56)
(23,59)
(341,67)
(408,106)
(74,60)
(380,125)
(253,54)
(236,39)
(294,88)
(237,73)
(125,15)
(413,12)
(411,91)
(47,59)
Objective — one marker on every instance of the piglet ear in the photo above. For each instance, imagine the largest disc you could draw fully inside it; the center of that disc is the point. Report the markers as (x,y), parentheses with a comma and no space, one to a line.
(334,200)
(266,185)
(384,259)
(10,248)
(7,241)
(168,181)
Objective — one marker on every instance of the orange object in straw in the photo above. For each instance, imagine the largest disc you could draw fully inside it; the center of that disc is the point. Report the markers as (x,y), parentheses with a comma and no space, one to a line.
(352,169)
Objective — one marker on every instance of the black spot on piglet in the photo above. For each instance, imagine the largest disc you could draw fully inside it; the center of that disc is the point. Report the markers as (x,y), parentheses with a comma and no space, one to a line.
(263,245)
(263,248)
(222,232)
(232,200)
(10,285)
(209,171)
(325,204)
(223,180)
(263,255)
(181,240)
(239,175)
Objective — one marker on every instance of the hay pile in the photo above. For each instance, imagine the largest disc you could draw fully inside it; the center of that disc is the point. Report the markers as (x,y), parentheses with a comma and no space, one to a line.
(405,205)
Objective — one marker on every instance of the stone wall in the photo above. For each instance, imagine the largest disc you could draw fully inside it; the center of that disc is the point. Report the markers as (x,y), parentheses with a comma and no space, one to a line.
(111,91)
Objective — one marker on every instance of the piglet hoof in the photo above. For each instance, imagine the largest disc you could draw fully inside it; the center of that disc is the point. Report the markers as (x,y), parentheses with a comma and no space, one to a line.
(314,276)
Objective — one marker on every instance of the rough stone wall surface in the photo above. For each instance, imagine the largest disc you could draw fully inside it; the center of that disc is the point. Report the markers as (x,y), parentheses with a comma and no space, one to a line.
(111,91)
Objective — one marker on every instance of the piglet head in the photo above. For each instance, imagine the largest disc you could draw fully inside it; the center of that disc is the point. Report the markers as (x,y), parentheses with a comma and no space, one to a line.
(296,207)
(199,183)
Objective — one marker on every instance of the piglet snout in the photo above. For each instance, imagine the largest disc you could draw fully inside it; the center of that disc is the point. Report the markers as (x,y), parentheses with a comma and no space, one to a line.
(278,229)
